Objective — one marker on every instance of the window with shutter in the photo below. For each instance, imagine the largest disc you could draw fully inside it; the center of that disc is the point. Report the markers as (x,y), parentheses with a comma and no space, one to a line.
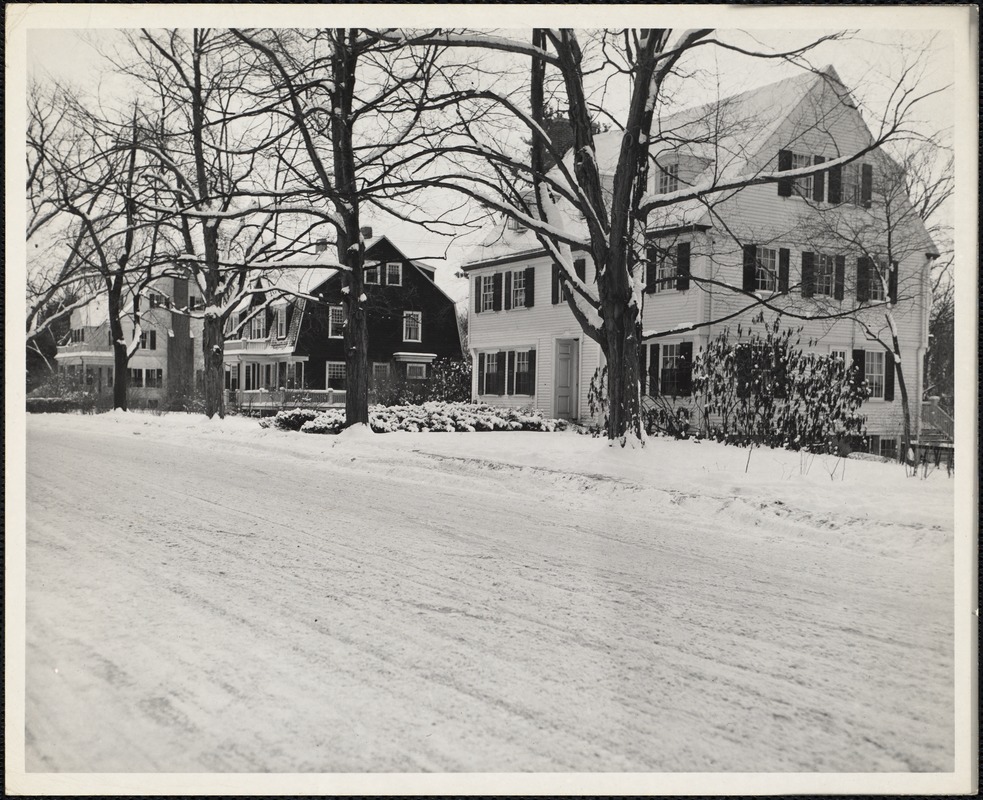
(874,373)
(336,322)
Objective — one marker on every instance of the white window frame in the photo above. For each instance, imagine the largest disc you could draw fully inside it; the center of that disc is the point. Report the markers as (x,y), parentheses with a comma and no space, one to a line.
(389,273)
(878,269)
(667,179)
(421,369)
(513,224)
(371,275)
(524,356)
(518,288)
(491,366)
(803,186)
(418,317)
(487,292)
(328,365)
(851,181)
(875,377)
(380,370)
(281,322)
(257,326)
(825,277)
(766,270)
(334,333)
(665,272)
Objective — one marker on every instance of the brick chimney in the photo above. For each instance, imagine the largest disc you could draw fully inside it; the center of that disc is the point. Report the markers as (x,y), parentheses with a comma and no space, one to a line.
(366,232)
(321,245)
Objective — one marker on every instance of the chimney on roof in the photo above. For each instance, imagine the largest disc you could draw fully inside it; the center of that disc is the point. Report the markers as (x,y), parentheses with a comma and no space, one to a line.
(366,232)
(321,245)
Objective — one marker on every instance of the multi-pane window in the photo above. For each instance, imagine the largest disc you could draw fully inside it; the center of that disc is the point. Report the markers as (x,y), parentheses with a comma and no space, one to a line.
(825,274)
(519,288)
(148,340)
(766,275)
(281,323)
(380,370)
(257,325)
(334,375)
(136,378)
(78,335)
(669,378)
(336,322)
(878,273)
(851,183)
(513,224)
(372,274)
(874,372)
(523,375)
(156,299)
(194,303)
(394,273)
(491,374)
(665,271)
(154,378)
(668,178)
(416,372)
(803,186)
(487,283)
(412,326)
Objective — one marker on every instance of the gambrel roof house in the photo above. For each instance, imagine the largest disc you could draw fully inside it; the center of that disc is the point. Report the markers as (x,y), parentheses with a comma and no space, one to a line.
(813,245)
(168,360)
(288,341)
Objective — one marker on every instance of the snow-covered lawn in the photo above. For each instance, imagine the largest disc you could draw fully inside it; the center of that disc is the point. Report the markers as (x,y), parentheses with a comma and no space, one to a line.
(213,596)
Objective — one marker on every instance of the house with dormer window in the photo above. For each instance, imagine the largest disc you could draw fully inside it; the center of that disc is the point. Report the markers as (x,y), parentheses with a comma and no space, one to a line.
(285,342)
(709,261)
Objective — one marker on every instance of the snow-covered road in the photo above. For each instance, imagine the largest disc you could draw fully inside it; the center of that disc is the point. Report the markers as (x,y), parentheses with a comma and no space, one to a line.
(232,599)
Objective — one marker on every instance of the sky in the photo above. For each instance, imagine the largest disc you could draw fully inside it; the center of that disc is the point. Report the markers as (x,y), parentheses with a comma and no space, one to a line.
(868,61)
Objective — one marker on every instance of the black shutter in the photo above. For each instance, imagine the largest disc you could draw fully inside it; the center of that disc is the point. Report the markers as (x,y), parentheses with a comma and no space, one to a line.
(859,366)
(500,373)
(684,371)
(651,269)
(866,184)
(580,267)
(530,287)
(889,375)
(783,256)
(808,274)
(892,283)
(497,293)
(784,163)
(556,284)
(818,182)
(654,371)
(863,279)
(481,373)
(682,266)
(839,277)
(642,366)
(750,267)
(477,294)
(508,290)
(510,373)
(835,184)
(532,372)
(743,362)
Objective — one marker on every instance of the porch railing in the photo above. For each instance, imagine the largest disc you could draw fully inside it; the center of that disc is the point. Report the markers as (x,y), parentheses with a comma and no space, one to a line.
(935,417)
(262,399)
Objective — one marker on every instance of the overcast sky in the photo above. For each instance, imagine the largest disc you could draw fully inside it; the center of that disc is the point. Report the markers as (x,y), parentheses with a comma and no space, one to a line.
(869,63)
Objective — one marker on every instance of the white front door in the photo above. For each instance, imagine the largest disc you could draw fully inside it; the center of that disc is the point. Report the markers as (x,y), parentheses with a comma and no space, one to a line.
(565,379)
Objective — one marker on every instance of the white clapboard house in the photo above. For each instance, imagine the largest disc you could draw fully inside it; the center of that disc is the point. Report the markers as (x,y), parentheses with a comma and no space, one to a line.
(809,245)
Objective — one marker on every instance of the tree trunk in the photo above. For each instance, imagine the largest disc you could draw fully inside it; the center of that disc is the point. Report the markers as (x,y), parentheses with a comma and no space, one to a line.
(121,358)
(905,405)
(214,352)
(622,339)
(356,365)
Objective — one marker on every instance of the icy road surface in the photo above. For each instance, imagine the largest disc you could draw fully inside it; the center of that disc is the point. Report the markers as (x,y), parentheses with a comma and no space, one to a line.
(216,597)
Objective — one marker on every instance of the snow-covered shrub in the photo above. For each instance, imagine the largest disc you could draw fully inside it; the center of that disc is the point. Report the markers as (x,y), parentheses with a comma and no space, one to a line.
(291,420)
(763,389)
(448,381)
(438,417)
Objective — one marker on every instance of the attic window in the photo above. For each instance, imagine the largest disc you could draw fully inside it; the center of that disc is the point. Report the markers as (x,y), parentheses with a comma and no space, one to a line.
(394,273)
(513,224)
(803,186)
(668,180)
(372,274)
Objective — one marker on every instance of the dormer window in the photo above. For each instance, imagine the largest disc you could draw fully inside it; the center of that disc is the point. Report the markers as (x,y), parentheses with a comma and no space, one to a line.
(668,179)
(513,224)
